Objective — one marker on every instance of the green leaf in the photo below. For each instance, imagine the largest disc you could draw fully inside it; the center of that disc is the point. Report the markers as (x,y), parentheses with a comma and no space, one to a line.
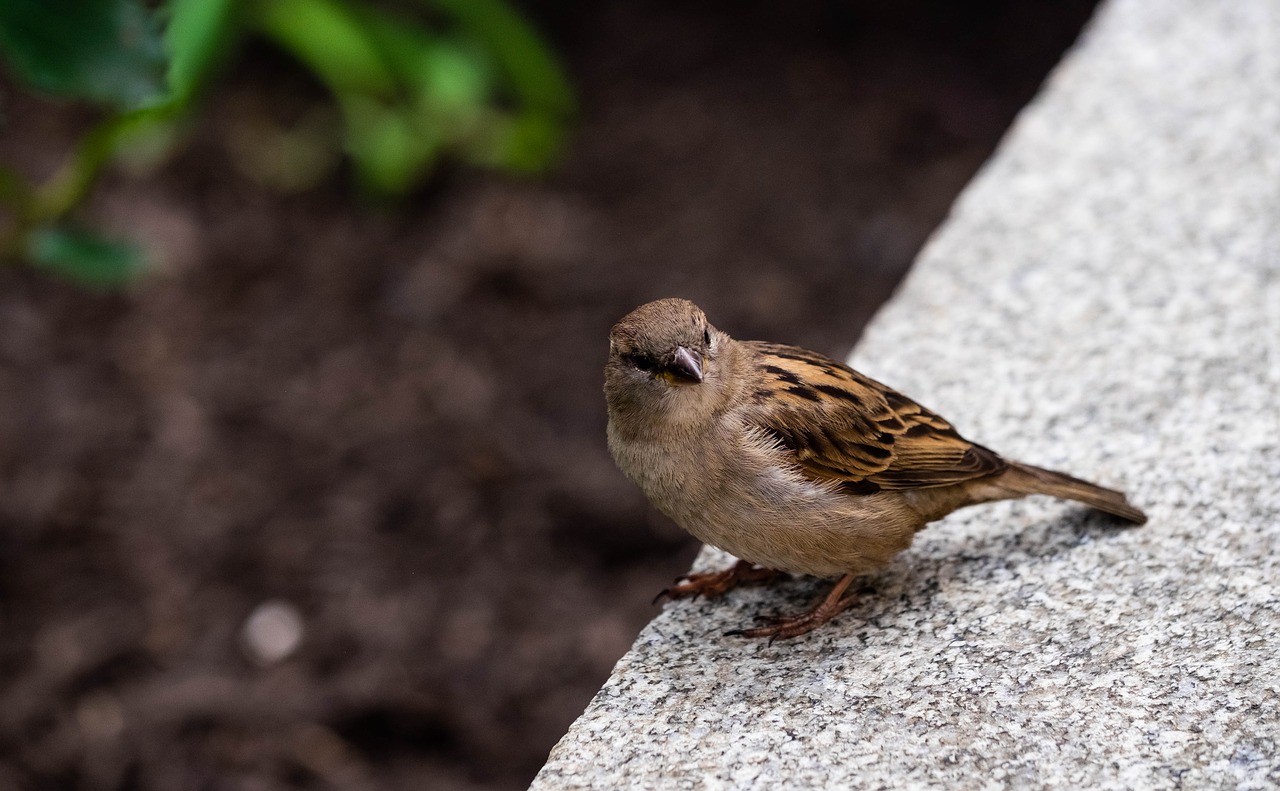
(101,50)
(75,178)
(196,38)
(452,78)
(409,95)
(434,73)
(526,143)
(534,75)
(330,39)
(391,153)
(84,257)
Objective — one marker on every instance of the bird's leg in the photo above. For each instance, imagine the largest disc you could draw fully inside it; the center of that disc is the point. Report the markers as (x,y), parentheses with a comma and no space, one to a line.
(794,626)
(714,583)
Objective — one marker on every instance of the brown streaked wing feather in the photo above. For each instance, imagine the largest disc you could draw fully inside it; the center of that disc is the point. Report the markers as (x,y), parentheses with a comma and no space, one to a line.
(846,428)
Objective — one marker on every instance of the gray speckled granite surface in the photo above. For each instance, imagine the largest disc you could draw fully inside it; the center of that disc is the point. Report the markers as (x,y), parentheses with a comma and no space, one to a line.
(1105,299)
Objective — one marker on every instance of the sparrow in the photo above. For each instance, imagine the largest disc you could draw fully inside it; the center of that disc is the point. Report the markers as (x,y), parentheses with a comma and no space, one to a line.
(791,461)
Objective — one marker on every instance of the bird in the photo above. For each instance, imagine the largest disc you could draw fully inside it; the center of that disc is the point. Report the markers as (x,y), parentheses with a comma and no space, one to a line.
(791,461)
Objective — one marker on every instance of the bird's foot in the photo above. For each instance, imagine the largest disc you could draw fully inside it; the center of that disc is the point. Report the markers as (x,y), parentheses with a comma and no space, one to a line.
(786,627)
(716,583)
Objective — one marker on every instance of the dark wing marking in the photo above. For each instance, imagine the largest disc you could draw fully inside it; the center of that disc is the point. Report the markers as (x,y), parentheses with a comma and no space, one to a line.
(846,428)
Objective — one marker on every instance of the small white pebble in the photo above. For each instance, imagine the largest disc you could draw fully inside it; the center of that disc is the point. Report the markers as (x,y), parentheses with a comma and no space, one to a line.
(272,632)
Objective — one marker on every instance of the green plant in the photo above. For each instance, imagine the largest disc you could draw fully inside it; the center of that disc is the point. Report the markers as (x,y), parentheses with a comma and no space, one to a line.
(463,79)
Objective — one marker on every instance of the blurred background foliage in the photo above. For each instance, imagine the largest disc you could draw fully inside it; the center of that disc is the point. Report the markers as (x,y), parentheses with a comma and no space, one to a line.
(414,84)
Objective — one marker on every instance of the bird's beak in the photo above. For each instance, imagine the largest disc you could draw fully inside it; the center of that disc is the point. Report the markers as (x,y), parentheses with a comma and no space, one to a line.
(684,368)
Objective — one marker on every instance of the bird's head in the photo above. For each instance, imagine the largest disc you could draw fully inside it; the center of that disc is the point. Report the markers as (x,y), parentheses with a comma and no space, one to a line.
(665,363)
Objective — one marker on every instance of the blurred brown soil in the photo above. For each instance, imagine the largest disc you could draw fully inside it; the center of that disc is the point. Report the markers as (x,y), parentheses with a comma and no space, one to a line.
(391,417)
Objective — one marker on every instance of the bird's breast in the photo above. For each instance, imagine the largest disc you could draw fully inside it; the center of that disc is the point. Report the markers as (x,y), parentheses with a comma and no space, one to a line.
(739,491)
(673,473)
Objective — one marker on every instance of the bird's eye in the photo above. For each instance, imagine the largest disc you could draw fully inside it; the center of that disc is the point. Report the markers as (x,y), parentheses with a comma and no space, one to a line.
(642,361)
(706,337)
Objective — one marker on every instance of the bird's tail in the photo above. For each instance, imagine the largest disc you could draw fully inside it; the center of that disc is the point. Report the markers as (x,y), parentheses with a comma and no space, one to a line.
(1026,479)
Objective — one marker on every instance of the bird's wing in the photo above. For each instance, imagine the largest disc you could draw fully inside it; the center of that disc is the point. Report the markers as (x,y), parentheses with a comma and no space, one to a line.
(848,429)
